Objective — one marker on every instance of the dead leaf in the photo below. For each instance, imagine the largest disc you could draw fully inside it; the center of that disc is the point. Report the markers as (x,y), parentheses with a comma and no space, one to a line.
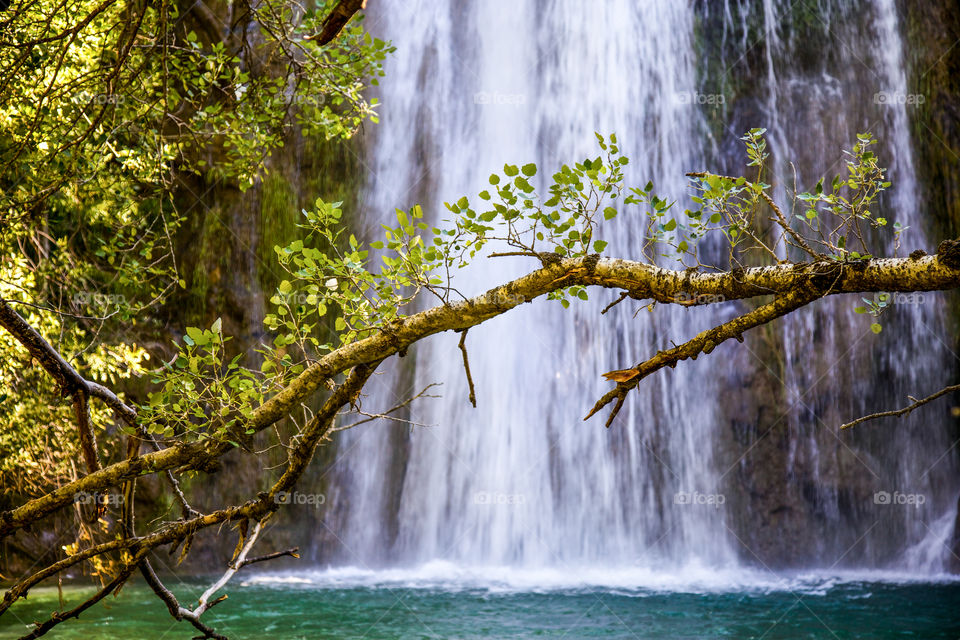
(621,375)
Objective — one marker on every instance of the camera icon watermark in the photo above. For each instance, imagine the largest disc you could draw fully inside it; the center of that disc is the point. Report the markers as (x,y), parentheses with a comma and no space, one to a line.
(883,299)
(898,498)
(296,299)
(696,498)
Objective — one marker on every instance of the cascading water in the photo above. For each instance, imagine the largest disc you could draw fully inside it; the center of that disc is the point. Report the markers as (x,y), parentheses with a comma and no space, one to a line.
(521,480)
(834,368)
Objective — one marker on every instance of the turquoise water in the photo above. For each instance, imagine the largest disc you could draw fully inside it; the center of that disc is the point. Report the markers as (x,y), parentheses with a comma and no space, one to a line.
(363,605)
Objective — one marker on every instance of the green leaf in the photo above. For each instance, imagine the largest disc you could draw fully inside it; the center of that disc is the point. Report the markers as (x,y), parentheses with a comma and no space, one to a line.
(215,327)
(599,246)
(510,170)
(876,328)
(529,170)
(285,286)
(494,178)
(670,226)
(196,335)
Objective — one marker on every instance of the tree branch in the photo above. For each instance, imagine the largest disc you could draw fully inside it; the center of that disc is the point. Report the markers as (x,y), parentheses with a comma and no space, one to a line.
(264,504)
(67,378)
(337,19)
(906,410)
(704,342)
(466,368)
(58,617)
(643,281)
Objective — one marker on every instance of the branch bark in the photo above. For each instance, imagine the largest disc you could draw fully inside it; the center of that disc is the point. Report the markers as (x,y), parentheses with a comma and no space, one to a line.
(642,282)
(259,508)
(337,19)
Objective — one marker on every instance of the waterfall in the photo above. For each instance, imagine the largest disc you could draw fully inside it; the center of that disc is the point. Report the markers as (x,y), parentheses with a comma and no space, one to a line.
(521,480)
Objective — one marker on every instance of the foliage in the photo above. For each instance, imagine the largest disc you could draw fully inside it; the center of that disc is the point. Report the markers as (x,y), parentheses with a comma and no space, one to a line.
(104,108)
(337,282)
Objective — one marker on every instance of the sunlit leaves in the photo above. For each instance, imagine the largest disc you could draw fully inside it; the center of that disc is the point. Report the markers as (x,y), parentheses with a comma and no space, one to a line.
(202,396)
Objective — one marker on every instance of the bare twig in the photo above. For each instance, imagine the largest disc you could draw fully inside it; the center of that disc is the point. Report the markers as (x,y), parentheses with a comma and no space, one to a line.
(466,368)
(293,552)
(173,605)
(623,296)
(385,415)
(188,511)
(906,410)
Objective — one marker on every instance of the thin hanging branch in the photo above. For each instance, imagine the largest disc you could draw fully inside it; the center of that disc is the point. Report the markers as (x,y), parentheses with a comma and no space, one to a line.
(466,368)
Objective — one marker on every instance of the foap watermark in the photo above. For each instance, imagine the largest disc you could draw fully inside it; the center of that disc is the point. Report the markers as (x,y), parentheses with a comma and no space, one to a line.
(296,299)
(85,97)
(897,98)
(692,299)
(111,499)
(883,299)
(94,299)
(497,98)
(695,97)
(700,499)
(296,100)
(498,498)
(899,499)
(302,499)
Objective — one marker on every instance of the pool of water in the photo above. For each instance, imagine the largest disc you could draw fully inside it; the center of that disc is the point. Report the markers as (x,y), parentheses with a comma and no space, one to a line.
(443,601)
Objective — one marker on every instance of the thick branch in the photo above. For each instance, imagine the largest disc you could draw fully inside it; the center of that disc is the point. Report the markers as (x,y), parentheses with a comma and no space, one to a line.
(642,281)
(139,547)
